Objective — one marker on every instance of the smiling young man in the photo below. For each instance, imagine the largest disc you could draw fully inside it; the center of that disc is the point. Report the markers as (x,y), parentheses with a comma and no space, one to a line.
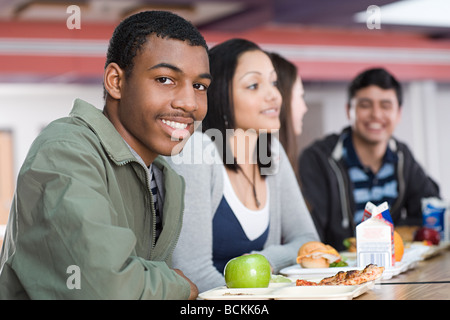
(341,173)
(97,212)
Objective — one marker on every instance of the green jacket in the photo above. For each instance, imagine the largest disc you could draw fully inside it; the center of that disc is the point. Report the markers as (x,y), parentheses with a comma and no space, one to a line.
(82,225)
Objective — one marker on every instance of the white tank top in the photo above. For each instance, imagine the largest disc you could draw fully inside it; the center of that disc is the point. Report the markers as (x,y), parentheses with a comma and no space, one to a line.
(253,222)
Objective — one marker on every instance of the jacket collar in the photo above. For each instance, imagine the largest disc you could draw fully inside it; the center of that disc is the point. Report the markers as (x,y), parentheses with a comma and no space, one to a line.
(338,150)
(110,139)
(116,147)
(340,147)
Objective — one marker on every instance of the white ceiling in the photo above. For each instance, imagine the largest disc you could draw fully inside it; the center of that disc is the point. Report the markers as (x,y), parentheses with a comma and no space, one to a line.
(238,15)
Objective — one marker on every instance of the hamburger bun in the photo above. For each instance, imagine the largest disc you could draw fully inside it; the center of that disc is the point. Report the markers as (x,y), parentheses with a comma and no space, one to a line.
(315,254)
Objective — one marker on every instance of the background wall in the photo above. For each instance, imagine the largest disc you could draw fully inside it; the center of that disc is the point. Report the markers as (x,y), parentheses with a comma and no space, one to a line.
(26,108)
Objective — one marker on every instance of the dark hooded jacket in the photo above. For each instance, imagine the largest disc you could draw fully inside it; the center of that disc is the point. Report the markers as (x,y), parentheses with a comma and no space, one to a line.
(328,191)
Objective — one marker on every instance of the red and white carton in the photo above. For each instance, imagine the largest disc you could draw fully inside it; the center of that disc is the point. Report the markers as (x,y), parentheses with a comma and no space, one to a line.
(375,237)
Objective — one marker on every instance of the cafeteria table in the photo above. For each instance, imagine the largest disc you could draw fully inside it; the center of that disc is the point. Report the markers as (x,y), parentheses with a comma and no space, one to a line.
(429,280)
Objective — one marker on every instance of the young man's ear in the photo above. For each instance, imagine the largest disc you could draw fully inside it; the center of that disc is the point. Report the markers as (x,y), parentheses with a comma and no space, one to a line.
(348,110)
(112,80)
(399,114)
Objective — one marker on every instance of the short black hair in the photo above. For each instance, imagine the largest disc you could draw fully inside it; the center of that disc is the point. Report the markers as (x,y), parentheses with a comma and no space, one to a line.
(131,34)
(378,77)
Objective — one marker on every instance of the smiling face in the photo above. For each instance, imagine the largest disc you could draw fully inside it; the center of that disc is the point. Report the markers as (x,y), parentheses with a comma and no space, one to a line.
(256,98)
(374,114)
(159,101)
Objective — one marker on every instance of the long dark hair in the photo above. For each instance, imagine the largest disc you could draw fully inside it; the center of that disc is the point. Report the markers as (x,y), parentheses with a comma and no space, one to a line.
(223,59)
(287,75)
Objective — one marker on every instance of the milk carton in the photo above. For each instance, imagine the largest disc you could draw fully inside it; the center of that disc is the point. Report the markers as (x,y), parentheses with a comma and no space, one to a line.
(375,237)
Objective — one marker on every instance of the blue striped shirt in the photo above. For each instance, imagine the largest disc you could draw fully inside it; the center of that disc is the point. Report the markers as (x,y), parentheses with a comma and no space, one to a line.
(368,186)
(154,190)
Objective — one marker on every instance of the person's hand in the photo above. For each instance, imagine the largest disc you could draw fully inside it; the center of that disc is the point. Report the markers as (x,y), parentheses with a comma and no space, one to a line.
(194,289)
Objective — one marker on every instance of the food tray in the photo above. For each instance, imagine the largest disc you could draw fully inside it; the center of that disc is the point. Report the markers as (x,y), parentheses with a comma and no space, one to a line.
(288,291)
(410,260)
(430,251)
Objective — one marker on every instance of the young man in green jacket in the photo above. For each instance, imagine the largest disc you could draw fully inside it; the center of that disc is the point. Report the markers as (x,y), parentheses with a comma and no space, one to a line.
(84,222)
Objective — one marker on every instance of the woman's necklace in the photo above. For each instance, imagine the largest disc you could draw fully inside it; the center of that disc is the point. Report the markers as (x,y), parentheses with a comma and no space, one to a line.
(252,183)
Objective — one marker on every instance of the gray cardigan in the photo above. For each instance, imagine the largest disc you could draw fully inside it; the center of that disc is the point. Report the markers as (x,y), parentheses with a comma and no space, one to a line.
(290,222)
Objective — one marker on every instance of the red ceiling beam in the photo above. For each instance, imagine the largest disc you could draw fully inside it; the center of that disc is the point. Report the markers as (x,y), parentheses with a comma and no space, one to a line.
(91,66)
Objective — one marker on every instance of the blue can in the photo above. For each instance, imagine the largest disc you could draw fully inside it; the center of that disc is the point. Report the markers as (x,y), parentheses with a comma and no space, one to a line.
(433,214)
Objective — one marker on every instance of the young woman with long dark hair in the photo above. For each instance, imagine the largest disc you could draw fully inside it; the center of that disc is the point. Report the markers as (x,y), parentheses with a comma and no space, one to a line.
(246,200)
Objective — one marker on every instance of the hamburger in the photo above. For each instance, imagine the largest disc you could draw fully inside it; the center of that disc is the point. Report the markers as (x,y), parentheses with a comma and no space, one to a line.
(315,254)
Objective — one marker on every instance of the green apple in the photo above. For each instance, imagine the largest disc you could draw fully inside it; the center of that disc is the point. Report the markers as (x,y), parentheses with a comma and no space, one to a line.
(248,271)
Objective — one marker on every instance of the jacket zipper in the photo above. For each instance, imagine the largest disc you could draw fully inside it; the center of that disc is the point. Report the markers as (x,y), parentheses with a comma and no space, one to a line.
(401,181)
(153,211)
(174,243)
(346,216)
(152,206)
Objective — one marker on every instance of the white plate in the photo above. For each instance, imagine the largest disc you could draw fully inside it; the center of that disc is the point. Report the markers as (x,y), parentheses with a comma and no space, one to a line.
(310,273)
(288,291)
(323,292)
(430,251)
(307,274)
(409,261)
(224,293)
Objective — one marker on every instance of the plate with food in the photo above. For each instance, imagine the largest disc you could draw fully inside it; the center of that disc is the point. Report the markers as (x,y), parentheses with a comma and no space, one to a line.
(341,286)
(316,259)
